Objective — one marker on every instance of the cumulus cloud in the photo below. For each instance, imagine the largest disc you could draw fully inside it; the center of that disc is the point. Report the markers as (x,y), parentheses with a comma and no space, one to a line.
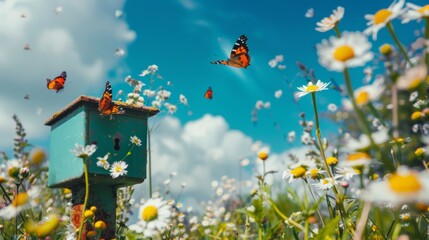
(80,40)
(204,150)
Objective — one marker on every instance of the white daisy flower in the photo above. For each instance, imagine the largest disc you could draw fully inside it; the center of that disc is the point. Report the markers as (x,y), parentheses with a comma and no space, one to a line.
(345,174)
(309,13)
(278,94)
(370,93)
(320,86)
(171,108)
(20,202)
(330,22)
(149,93)
(150,70)
(325,183)
(357,159)
(291,136)
(404,186)
(163,95)
(118,169)
(363,142)
(332,107)
(102,162)
(383,17)
(415,12)
(84,152)
(281,67)
(136,141)
(156,104)
(154,217)
(183,99)
(272,63)
(412,77)
(259,104)
(350,50)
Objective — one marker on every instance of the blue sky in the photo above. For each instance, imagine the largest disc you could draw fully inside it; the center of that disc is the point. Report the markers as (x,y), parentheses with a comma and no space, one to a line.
(181,37)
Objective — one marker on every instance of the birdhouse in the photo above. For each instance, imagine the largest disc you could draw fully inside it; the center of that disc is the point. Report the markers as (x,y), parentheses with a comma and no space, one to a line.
(81,123)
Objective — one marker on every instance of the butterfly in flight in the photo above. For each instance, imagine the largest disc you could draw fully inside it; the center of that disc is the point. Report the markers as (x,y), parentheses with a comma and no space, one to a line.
(106,106)
(239,56)
(209,93)
(57,83)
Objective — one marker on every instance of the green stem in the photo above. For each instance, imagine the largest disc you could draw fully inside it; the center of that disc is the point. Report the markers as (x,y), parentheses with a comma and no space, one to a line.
(427,38)
(260,230)
(314,199)
(82,218)
(362,120)
(398,43)
(337,31)
(149,165)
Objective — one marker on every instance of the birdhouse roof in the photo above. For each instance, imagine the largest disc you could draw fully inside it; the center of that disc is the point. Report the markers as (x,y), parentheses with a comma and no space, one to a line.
(87,100)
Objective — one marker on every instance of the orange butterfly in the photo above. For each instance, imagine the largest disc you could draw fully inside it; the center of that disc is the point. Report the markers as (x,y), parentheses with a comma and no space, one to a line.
(209,93)
(58,82)
(106,106)
(239,56)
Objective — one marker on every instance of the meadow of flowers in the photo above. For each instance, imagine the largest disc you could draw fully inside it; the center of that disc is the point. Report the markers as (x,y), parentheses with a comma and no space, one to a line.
(370,181)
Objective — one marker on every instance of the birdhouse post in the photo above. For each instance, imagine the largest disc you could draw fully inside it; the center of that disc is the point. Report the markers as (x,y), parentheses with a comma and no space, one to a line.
(81,123)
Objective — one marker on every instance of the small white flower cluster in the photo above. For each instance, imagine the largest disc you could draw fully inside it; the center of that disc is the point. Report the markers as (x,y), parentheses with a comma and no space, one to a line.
(275,62)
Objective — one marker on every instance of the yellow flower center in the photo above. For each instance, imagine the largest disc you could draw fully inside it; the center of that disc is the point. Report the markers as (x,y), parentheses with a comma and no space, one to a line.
(20,199)
(415,82)
(118,168)
(424,9)
(332,161)
(298,172)
(405,217)
(312,88)
(386,49)
(314,172)
(325,181)
(381,16)
(358,156)
(263,155)
(405,183)
(344,53)
(362,98)
(419,152)
(416,115)
(100,225)
(150,213)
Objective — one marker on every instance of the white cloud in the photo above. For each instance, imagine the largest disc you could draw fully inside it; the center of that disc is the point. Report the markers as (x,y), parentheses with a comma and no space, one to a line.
(188,4)
(204,150)
(80,40)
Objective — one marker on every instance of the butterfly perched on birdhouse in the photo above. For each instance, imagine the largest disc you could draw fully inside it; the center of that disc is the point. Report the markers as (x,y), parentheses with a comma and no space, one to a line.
(106,106)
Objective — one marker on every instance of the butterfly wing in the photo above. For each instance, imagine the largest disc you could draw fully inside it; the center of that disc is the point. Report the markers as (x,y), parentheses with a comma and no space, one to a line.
(58,82)
(105,105)
(209,93)
(239,56)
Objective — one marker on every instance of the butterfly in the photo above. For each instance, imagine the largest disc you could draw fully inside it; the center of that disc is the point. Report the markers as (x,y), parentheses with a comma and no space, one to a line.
(58,82)
(209,93)
(106,106)
(239,56)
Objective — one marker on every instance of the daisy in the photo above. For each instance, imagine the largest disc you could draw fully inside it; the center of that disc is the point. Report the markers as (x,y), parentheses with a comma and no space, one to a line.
(171,108)
(320,86)
(346,174)
(415,12)
(84,152)
(183,99)
(330,22)
(154,217)
(363,142)
(412,77)
(150,70)
(404,186)
(20,202)
(149,93)
(102,162)
(370,93)
(118,169)
(357,159)
(163,95)
(381,18)
(350,50)
(136,141)
(325,183)
(278,94)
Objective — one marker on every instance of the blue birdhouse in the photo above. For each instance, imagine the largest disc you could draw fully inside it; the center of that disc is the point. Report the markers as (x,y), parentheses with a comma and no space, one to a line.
(80,122)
